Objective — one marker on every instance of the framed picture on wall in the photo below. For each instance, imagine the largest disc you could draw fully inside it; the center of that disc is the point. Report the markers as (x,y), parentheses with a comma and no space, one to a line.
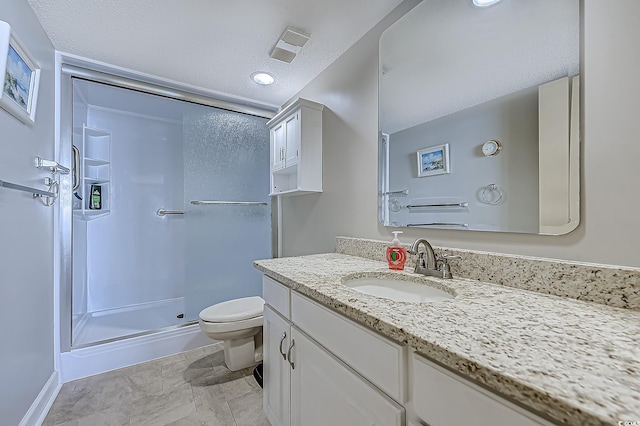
(21,77)
(433,160)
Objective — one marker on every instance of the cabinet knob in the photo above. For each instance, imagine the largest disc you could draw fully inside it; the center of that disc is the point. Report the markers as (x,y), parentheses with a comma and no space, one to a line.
(284,336)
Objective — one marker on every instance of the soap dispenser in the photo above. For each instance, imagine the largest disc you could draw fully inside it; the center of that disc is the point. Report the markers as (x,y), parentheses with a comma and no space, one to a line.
(396,254)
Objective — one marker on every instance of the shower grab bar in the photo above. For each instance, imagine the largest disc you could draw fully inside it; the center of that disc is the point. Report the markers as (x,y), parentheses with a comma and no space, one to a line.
(76,167)
(53,166)
(424,206)
(229,203)
(34,191)
(404,191)
(461,225)
(163,212)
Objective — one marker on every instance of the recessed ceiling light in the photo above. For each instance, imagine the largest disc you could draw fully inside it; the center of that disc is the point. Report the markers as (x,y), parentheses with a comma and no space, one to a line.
(484,3)
(263,78)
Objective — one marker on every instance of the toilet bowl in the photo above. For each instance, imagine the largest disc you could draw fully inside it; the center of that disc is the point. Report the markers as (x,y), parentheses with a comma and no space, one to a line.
(238,323)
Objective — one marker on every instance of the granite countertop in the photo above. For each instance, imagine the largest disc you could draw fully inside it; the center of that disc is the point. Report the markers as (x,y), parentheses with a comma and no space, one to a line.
(576,362)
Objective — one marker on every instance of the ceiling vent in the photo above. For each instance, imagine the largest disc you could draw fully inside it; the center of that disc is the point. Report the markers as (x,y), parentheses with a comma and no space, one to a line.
(289,44)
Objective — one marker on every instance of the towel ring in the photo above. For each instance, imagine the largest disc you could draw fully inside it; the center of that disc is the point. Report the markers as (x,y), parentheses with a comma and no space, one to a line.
(491,194)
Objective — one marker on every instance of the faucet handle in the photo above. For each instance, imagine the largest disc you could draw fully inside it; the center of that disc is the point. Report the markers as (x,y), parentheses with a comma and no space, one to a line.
(444,266)
(446,257)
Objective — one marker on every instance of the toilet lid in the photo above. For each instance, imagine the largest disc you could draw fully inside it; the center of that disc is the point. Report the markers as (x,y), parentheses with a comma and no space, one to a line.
(234,310)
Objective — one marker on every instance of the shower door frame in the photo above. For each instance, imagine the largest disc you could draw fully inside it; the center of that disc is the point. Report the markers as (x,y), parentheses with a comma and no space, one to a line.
(68,66)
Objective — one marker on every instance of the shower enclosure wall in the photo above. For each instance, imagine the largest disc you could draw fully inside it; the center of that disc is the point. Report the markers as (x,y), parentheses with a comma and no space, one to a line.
(154,245)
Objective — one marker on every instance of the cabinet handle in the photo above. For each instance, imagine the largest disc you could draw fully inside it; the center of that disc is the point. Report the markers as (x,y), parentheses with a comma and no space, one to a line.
(284,336)
(293,342)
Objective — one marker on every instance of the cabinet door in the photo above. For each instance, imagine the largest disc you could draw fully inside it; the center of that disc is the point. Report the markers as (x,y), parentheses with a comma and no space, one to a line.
(324,391)
(292,132)
(276,370)
(441,399)
(278,146)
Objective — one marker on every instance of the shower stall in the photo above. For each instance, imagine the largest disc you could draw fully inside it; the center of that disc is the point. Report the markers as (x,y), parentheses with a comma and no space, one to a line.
(169,209)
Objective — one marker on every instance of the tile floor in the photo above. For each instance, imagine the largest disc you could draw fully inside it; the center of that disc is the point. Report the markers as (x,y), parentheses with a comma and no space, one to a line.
(190,388)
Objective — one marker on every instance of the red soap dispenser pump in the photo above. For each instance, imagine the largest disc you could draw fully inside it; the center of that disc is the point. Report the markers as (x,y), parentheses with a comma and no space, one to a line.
(396,254)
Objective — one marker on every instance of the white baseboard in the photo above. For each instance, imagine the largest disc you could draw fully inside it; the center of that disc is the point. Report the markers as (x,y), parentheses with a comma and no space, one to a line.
(79,363)
(43,402)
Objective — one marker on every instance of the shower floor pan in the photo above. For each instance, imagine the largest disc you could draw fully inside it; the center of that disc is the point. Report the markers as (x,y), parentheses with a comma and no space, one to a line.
(113,324)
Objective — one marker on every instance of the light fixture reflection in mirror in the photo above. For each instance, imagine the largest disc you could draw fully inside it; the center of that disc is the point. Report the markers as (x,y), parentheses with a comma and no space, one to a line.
(485,3)
(458,77)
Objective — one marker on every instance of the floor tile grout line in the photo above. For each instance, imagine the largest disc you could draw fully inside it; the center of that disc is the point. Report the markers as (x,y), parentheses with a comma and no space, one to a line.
(233,416)
(192,363)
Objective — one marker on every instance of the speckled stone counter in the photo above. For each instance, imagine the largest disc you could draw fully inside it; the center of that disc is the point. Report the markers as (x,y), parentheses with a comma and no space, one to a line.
(610,285)
(576,362)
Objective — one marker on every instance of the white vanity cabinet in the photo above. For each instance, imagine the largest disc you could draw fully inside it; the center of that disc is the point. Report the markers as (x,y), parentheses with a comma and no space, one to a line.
(276,369)
(325,391)
(296,149)
(442,398)
(304,383)
(322,368)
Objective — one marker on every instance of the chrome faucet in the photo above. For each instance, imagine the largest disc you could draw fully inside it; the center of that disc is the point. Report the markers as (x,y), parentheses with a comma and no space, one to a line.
(424,265)
(432,266)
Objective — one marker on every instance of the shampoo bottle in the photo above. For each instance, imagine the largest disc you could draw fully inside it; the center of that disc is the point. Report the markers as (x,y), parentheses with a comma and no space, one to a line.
(396,254)
(95,201)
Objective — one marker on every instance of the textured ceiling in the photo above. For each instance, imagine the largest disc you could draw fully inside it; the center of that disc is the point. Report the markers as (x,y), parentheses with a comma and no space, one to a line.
(445,55)
(213,44)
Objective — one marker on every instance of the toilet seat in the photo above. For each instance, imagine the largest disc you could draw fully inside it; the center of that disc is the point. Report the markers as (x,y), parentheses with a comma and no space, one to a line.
(236,310)
(225,327)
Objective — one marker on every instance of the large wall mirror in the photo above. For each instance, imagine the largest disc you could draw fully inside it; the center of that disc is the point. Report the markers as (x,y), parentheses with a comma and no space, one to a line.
(480,117)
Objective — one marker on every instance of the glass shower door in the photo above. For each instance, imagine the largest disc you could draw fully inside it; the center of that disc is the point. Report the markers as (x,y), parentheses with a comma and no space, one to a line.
(167,247)
(228,209)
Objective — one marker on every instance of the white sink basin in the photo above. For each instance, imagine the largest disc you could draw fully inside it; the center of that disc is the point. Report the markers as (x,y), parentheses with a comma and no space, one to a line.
(400,291)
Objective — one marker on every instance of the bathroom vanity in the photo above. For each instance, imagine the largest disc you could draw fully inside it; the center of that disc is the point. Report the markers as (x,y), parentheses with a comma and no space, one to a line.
(491,355)
(306,379)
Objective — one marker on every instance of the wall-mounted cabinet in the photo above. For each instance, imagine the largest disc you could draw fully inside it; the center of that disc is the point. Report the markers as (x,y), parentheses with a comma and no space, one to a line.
(296,149)
(94,152)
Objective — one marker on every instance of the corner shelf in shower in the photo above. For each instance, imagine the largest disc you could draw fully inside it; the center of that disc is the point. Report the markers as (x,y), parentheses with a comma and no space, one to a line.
(95,169)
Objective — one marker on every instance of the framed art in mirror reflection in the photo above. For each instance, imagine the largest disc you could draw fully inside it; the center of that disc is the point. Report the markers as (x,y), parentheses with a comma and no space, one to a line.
(433,161)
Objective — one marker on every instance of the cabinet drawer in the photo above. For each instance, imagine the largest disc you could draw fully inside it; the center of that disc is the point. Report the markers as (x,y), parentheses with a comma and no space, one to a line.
(377,359)
(443,399)
(276,295)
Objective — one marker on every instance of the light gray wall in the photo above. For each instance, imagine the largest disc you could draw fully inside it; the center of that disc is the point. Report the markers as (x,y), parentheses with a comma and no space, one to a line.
(26,230)
(511,119)
(609,228)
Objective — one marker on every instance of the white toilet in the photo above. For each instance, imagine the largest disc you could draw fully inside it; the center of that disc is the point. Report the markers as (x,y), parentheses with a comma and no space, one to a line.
(238,323)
